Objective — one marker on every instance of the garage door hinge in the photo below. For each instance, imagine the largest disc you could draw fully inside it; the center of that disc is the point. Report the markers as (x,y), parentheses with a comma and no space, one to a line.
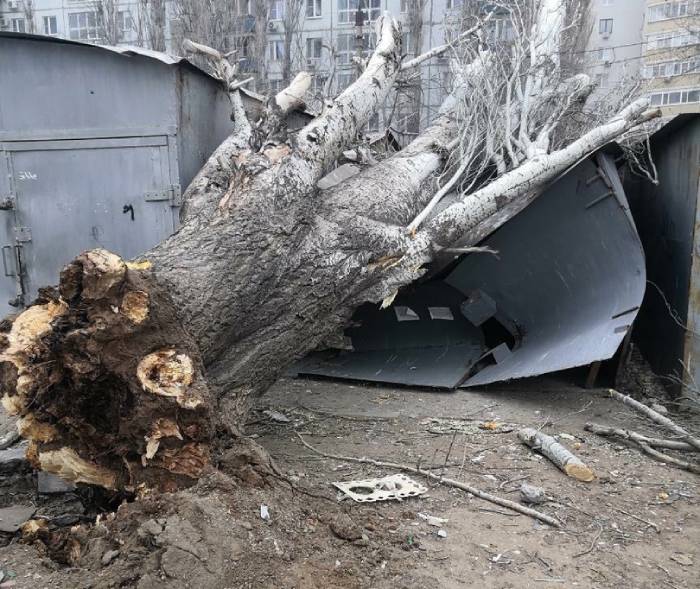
(172,194)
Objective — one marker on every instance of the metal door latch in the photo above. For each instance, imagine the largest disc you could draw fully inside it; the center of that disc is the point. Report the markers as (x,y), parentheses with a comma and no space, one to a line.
(172,193)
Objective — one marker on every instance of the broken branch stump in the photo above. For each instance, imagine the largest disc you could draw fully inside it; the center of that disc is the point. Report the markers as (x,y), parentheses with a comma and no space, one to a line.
(567,462)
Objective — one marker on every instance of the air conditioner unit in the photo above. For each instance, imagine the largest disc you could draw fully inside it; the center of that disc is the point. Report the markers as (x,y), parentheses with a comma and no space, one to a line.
(605,35)
(272,27)
(13,6)
(667,79)
(312,63)
(607,63)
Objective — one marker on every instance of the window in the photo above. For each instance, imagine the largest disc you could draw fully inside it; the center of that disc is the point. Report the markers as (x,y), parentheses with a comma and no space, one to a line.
(84,25)
(344,80)
(125,22)
(276,50)
(672,68)
(672,39)
(277,10)
(275,86)
(314,47)
(347,10)
(404,6)
(313,9)
(346,47)
(673,97)
(454,4)
(607,2)
(500,29)
(19,25)
(605,26)
(604,54)
(406,45)
(50,25)
(243,8)
(602,80)
(677,9)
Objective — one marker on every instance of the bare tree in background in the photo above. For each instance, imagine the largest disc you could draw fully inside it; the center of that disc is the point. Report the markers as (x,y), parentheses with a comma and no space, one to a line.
(28,11)
(135,374)
(108,17)
(293,20)
(151,24)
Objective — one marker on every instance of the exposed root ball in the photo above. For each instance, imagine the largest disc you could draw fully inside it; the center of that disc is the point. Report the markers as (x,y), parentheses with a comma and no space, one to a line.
(107,384)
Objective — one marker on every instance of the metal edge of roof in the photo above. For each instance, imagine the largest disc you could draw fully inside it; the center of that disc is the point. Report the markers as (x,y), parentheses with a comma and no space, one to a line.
(126,50)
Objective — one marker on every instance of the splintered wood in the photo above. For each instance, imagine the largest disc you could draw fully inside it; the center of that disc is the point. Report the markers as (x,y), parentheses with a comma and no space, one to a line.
(564,460)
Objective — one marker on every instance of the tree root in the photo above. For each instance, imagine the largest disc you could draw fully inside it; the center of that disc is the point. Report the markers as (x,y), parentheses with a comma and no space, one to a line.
(543,517)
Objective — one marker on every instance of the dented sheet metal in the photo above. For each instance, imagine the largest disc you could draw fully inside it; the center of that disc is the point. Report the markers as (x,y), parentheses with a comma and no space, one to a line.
(563,292)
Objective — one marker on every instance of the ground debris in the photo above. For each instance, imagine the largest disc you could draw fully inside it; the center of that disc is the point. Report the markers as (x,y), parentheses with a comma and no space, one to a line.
(532,494)
(345,528)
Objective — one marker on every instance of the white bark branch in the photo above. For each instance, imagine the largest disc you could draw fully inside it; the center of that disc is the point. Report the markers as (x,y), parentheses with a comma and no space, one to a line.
(455,221)
(657,418)
(440,49)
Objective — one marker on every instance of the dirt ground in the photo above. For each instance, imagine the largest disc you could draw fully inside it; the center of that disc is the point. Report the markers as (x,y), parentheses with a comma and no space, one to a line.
(637,525)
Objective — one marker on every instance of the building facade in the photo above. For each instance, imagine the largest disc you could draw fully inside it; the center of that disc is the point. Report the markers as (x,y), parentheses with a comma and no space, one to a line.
(614,52)
(631,42)
(671,57)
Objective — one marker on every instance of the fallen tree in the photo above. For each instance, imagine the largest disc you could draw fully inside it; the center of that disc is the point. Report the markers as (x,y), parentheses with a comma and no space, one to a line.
(124,374)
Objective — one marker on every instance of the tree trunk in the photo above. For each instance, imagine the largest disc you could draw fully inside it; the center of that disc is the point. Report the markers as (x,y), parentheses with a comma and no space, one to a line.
(123,375)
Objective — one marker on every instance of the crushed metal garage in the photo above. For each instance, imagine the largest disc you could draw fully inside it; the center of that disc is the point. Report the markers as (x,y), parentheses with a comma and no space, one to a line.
(562,291)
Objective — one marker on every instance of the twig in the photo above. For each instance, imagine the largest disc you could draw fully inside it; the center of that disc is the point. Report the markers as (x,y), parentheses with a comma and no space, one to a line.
(593,544)
(437,51)
(689,466)
(450,482)
(656,417)
(639,519)
(627,434)
(449,451)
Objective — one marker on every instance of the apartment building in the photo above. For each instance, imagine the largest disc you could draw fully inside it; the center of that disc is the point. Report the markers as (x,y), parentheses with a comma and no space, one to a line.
(614,52)
(71,19)
(671,55)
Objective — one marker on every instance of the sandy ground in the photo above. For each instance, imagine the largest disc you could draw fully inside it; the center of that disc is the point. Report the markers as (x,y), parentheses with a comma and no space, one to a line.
(637,525)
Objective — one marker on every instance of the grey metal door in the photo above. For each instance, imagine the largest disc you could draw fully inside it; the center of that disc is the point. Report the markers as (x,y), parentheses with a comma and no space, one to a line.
(74,195)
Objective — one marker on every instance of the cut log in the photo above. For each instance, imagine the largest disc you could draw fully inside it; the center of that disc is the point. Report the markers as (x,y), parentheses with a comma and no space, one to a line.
(562,458)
